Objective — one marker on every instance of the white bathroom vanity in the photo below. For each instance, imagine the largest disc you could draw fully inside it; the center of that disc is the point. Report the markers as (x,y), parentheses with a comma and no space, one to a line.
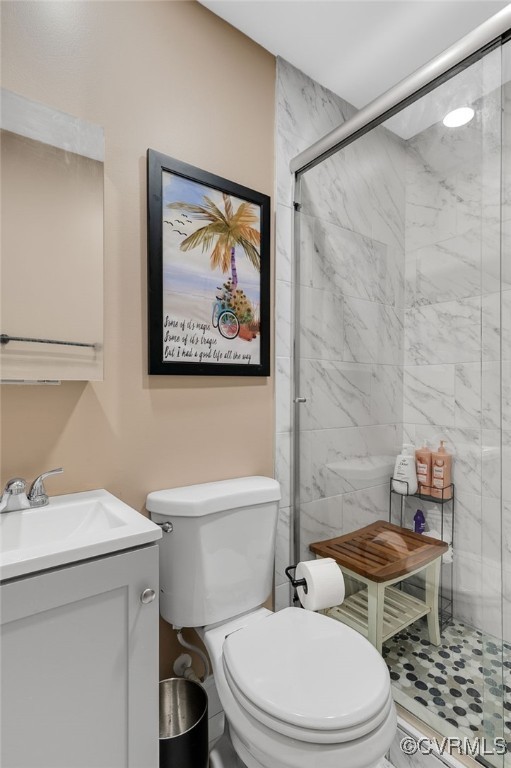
(79,639)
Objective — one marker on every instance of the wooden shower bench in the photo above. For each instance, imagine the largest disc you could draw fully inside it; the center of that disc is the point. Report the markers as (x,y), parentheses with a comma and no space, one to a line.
(380,555)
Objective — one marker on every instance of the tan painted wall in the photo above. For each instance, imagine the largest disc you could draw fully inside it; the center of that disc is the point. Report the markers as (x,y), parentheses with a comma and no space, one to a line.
(173,77)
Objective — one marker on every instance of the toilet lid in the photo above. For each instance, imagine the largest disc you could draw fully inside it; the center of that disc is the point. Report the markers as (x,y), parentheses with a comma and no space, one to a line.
(308,670)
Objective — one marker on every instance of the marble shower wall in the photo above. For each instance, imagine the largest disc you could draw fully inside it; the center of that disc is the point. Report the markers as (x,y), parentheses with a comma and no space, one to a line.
(506,350)
(351,334)
(506,345)
(352,308)
(452,323)
(305,111)
(400,288)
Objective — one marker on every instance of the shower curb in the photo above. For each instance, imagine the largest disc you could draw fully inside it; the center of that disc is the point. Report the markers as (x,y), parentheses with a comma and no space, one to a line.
(407,725)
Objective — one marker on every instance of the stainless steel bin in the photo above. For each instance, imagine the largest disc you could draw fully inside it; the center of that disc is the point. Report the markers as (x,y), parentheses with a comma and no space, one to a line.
(183,724)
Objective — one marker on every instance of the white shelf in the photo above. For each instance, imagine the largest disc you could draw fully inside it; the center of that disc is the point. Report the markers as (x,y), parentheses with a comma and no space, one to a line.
(400,610)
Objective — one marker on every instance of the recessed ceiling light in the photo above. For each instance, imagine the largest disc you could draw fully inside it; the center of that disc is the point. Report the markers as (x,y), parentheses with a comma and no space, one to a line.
(458,117)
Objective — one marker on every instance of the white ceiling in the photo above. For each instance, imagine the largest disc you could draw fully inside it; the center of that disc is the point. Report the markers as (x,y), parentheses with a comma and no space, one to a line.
(356,48)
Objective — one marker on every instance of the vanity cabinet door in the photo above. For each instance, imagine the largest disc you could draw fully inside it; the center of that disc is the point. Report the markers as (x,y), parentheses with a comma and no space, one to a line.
(79,665)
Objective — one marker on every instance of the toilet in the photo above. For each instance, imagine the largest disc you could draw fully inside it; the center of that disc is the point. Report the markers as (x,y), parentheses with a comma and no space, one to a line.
(299,690)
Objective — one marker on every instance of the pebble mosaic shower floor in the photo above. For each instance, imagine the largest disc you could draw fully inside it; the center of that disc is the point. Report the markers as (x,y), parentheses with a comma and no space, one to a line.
(460,681)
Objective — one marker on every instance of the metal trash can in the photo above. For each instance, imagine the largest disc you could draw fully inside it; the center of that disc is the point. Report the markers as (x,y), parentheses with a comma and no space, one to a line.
(183,724)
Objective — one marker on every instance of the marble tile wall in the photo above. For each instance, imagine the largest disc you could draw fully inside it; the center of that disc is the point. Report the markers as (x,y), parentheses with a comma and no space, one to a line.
(304,112)
(452,331)
(352,318)
(506,345)
(402,317)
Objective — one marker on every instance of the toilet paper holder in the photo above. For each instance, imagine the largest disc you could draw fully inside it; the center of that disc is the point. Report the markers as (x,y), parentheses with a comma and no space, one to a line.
(295,582)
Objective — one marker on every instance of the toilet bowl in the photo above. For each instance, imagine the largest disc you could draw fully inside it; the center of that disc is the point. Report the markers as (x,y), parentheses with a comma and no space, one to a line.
(299,689)
(293,699)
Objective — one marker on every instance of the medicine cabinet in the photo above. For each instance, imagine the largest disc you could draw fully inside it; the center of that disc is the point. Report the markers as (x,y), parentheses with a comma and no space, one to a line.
(51,310)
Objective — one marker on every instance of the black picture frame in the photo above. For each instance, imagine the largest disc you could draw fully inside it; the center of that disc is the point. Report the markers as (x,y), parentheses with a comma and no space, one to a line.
(183,337)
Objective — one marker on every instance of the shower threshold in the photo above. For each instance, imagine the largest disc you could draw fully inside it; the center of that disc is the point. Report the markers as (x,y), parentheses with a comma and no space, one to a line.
(410,725)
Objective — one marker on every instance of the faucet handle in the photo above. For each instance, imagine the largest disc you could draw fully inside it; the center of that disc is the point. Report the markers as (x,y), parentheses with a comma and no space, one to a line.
(14,496)
(15,485)
(37,495)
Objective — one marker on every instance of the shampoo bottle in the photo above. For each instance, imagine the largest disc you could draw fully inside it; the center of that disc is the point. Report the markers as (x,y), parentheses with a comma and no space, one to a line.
(441,473)
(404,479)
(423,458)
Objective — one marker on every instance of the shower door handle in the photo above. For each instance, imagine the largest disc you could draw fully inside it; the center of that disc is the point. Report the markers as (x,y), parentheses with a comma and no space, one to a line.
(300,400)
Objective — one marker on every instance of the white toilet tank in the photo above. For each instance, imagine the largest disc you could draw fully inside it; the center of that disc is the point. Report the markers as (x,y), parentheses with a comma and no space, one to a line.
(217,562)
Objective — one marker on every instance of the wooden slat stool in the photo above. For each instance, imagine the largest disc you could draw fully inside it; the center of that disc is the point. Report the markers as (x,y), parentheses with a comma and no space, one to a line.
(380,555)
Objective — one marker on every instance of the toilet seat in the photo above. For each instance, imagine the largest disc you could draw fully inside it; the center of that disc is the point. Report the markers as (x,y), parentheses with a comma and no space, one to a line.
(309,735)
(308,677)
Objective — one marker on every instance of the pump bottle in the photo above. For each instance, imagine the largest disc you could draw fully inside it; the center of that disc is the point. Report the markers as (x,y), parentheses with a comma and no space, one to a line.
(441,462)
(404,479)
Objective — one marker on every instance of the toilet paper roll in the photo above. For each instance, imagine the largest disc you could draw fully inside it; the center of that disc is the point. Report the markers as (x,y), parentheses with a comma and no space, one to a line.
(325,584)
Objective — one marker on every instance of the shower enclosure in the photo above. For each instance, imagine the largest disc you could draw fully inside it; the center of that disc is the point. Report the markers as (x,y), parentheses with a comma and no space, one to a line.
(402,333)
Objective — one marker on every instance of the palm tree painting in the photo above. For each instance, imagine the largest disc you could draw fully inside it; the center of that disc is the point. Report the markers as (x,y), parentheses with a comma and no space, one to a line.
(209,262)
(225,229)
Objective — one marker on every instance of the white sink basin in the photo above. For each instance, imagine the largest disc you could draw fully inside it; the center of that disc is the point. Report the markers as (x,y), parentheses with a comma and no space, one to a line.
(73,527)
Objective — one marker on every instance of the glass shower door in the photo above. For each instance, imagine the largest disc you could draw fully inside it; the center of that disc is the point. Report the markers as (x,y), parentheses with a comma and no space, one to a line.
(403,334)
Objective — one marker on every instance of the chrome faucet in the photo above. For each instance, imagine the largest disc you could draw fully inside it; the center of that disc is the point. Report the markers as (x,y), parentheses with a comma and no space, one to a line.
(15,495)
(37,495)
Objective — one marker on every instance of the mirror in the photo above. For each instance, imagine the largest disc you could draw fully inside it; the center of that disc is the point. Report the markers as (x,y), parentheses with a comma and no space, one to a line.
(51,310)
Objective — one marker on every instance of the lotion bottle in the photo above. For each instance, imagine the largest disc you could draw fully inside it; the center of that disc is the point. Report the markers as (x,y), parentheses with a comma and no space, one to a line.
(423,457)
(441,473)
(404,479)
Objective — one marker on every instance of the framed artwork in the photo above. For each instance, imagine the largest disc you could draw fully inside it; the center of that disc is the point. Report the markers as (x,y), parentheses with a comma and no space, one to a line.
(208,273)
